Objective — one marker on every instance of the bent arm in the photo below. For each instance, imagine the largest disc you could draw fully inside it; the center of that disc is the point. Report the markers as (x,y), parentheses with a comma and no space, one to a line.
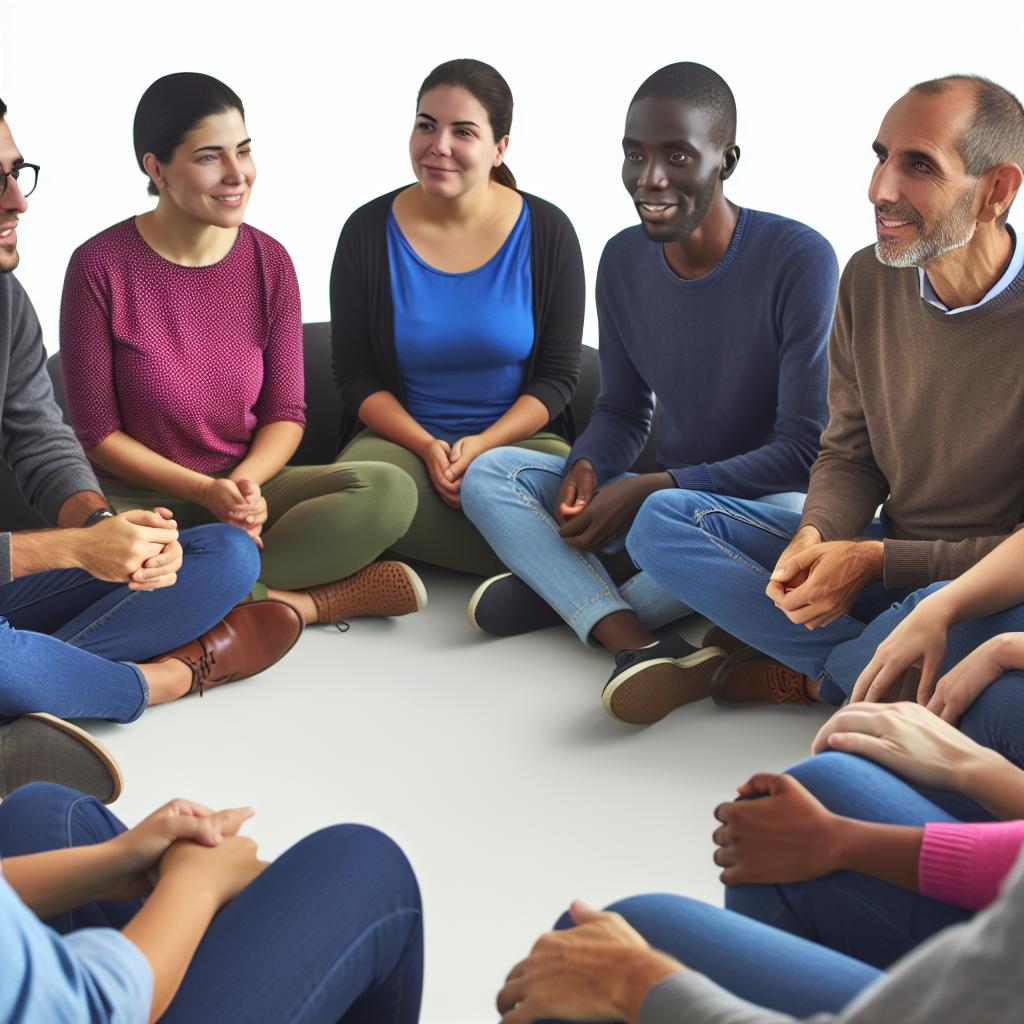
(383,413)
(272,446)
(131,460)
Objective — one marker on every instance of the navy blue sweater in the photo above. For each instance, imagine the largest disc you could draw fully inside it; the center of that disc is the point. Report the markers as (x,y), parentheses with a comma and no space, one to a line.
(736,360)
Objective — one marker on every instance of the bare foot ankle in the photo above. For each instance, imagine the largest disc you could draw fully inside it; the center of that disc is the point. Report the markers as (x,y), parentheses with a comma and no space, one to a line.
(300,601)
(167,680)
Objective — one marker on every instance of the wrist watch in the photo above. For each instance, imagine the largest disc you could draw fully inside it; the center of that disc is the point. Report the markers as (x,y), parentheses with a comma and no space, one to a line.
(94,517)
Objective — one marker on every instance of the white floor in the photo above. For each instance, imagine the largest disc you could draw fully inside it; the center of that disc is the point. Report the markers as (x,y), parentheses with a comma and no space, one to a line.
(490,761)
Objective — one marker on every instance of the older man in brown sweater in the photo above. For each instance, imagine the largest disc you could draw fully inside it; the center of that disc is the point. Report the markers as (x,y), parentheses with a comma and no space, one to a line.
(926,400)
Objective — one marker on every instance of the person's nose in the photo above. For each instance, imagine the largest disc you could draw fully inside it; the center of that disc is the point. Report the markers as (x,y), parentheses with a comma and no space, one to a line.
(884,189)
(13,198)
(654,175)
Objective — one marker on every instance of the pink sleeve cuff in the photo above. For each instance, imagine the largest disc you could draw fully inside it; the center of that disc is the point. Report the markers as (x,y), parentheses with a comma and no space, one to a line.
(965,863)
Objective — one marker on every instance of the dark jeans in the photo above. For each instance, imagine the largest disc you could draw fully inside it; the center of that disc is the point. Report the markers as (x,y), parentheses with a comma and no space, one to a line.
(331,931)
(68,642)
(715,554)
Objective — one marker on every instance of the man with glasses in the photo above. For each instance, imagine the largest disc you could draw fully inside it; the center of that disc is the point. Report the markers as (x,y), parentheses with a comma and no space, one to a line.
(89,612)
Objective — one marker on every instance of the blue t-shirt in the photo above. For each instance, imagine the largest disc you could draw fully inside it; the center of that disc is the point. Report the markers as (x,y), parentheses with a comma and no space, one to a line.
(737,359)
(462,340)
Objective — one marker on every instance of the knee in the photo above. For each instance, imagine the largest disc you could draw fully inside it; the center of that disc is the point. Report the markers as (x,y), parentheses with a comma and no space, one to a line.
(27,803)
(235,557)
(661,512)
(487,470)
(393,495)
(832,775)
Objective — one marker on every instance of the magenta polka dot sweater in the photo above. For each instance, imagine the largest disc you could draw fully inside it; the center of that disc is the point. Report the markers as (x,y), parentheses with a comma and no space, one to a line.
(189,361)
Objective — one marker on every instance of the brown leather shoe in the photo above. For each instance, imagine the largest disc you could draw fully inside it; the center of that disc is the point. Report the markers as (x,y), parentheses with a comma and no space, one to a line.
(717,637)
(247,640)
(750,677)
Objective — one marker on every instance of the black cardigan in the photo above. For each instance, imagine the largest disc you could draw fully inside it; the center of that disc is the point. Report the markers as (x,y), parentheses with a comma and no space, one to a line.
(363,356)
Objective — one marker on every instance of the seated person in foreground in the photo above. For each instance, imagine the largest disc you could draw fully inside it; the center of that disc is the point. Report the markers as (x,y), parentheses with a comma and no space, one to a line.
(456,314)
(856,873)
(110,613)
(181,342)
(928,330)
(718,314)
(176,919)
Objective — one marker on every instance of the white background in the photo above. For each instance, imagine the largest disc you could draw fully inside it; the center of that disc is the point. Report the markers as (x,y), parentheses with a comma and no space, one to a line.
(330,89)
(490,761)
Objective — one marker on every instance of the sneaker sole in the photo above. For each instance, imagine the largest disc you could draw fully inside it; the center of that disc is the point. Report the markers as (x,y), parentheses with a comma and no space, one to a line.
(667,684)
(92,744)
(475,600)
(418,587)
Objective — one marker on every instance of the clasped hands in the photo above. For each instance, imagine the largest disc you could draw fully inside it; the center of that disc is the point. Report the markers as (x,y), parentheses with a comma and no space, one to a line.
(447,464)
(237,503)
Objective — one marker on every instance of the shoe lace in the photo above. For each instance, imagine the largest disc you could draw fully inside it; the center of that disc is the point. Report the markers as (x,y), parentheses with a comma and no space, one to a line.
(202,668)
(786,686)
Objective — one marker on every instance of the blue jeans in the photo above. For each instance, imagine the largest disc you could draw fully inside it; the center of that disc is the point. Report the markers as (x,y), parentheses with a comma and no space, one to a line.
(855,914)
(716,555)
(68,641)
(509,495)
(331,931)
(765,965)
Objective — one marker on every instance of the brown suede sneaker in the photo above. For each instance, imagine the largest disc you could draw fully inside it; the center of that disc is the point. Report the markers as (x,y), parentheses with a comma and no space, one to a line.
(250,638)
(750,677)
(382,588)
(717,637)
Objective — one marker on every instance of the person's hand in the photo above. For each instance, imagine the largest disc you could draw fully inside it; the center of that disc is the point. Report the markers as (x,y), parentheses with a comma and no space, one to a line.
(917,645)
(820,582)
(610,512)
(575,491)
(786,836)
(221,496)
(463,452)
(252,513)
(137,852)
(961,686)
(220,872)
(162,569)
(437,457)
(782,580)
(601,970)
(115,549)
(905,738)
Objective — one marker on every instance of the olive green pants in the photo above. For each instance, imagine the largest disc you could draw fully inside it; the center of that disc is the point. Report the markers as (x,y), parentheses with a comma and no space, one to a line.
(439,534)
(323,522)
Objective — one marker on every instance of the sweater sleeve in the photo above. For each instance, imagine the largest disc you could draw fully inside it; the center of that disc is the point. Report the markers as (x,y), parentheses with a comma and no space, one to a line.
(39,446)
(556,372)
(282,395)
(621,420)
(804,310)
(846,485)
(356,371)
(968,972)
(966,864)
(916,563)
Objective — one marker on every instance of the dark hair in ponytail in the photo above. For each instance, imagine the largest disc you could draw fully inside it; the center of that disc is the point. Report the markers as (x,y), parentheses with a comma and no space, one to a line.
(171,107)
(489,89)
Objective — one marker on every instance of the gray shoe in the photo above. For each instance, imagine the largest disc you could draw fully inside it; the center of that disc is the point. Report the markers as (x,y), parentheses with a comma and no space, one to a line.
(505,606)
(43,748)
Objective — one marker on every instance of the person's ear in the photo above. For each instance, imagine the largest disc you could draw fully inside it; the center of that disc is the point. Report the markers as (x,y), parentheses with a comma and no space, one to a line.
(151,166)
(997,189)
(730,158)
(499,152)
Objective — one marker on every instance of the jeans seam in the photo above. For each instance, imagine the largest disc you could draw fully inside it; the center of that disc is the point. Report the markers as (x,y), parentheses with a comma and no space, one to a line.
(548,520)
(701,514)
(102,620)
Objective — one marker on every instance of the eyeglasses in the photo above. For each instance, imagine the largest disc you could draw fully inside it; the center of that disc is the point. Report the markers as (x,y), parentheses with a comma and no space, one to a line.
(26,175)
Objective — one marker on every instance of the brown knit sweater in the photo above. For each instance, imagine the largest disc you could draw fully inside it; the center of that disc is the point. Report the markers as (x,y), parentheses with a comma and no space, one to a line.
(927,416)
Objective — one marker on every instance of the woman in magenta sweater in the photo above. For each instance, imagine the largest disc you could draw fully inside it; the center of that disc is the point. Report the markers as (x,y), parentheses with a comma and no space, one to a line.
(181,342)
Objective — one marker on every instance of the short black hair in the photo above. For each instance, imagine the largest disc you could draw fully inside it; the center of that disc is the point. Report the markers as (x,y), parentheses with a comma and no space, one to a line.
(995,133)
(696,86)
(3,109)
(171,107)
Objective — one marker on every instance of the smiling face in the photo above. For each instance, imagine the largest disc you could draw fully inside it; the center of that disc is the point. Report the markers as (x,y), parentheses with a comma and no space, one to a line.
(211,173)
(452,147)
(921,191)
(671,166)
(12,202)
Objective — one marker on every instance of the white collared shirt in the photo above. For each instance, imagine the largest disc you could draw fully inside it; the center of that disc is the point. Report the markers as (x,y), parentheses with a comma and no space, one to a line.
(1015,266)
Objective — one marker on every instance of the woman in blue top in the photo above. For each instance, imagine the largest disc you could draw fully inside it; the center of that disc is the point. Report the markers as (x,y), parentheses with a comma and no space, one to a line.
(456,313)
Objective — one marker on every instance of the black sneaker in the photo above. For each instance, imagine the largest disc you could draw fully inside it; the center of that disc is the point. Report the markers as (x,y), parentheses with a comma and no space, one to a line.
(649,683)
(505,606)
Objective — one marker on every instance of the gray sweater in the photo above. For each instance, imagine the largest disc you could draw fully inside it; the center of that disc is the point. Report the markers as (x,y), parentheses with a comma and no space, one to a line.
(47,460)
(967,973)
